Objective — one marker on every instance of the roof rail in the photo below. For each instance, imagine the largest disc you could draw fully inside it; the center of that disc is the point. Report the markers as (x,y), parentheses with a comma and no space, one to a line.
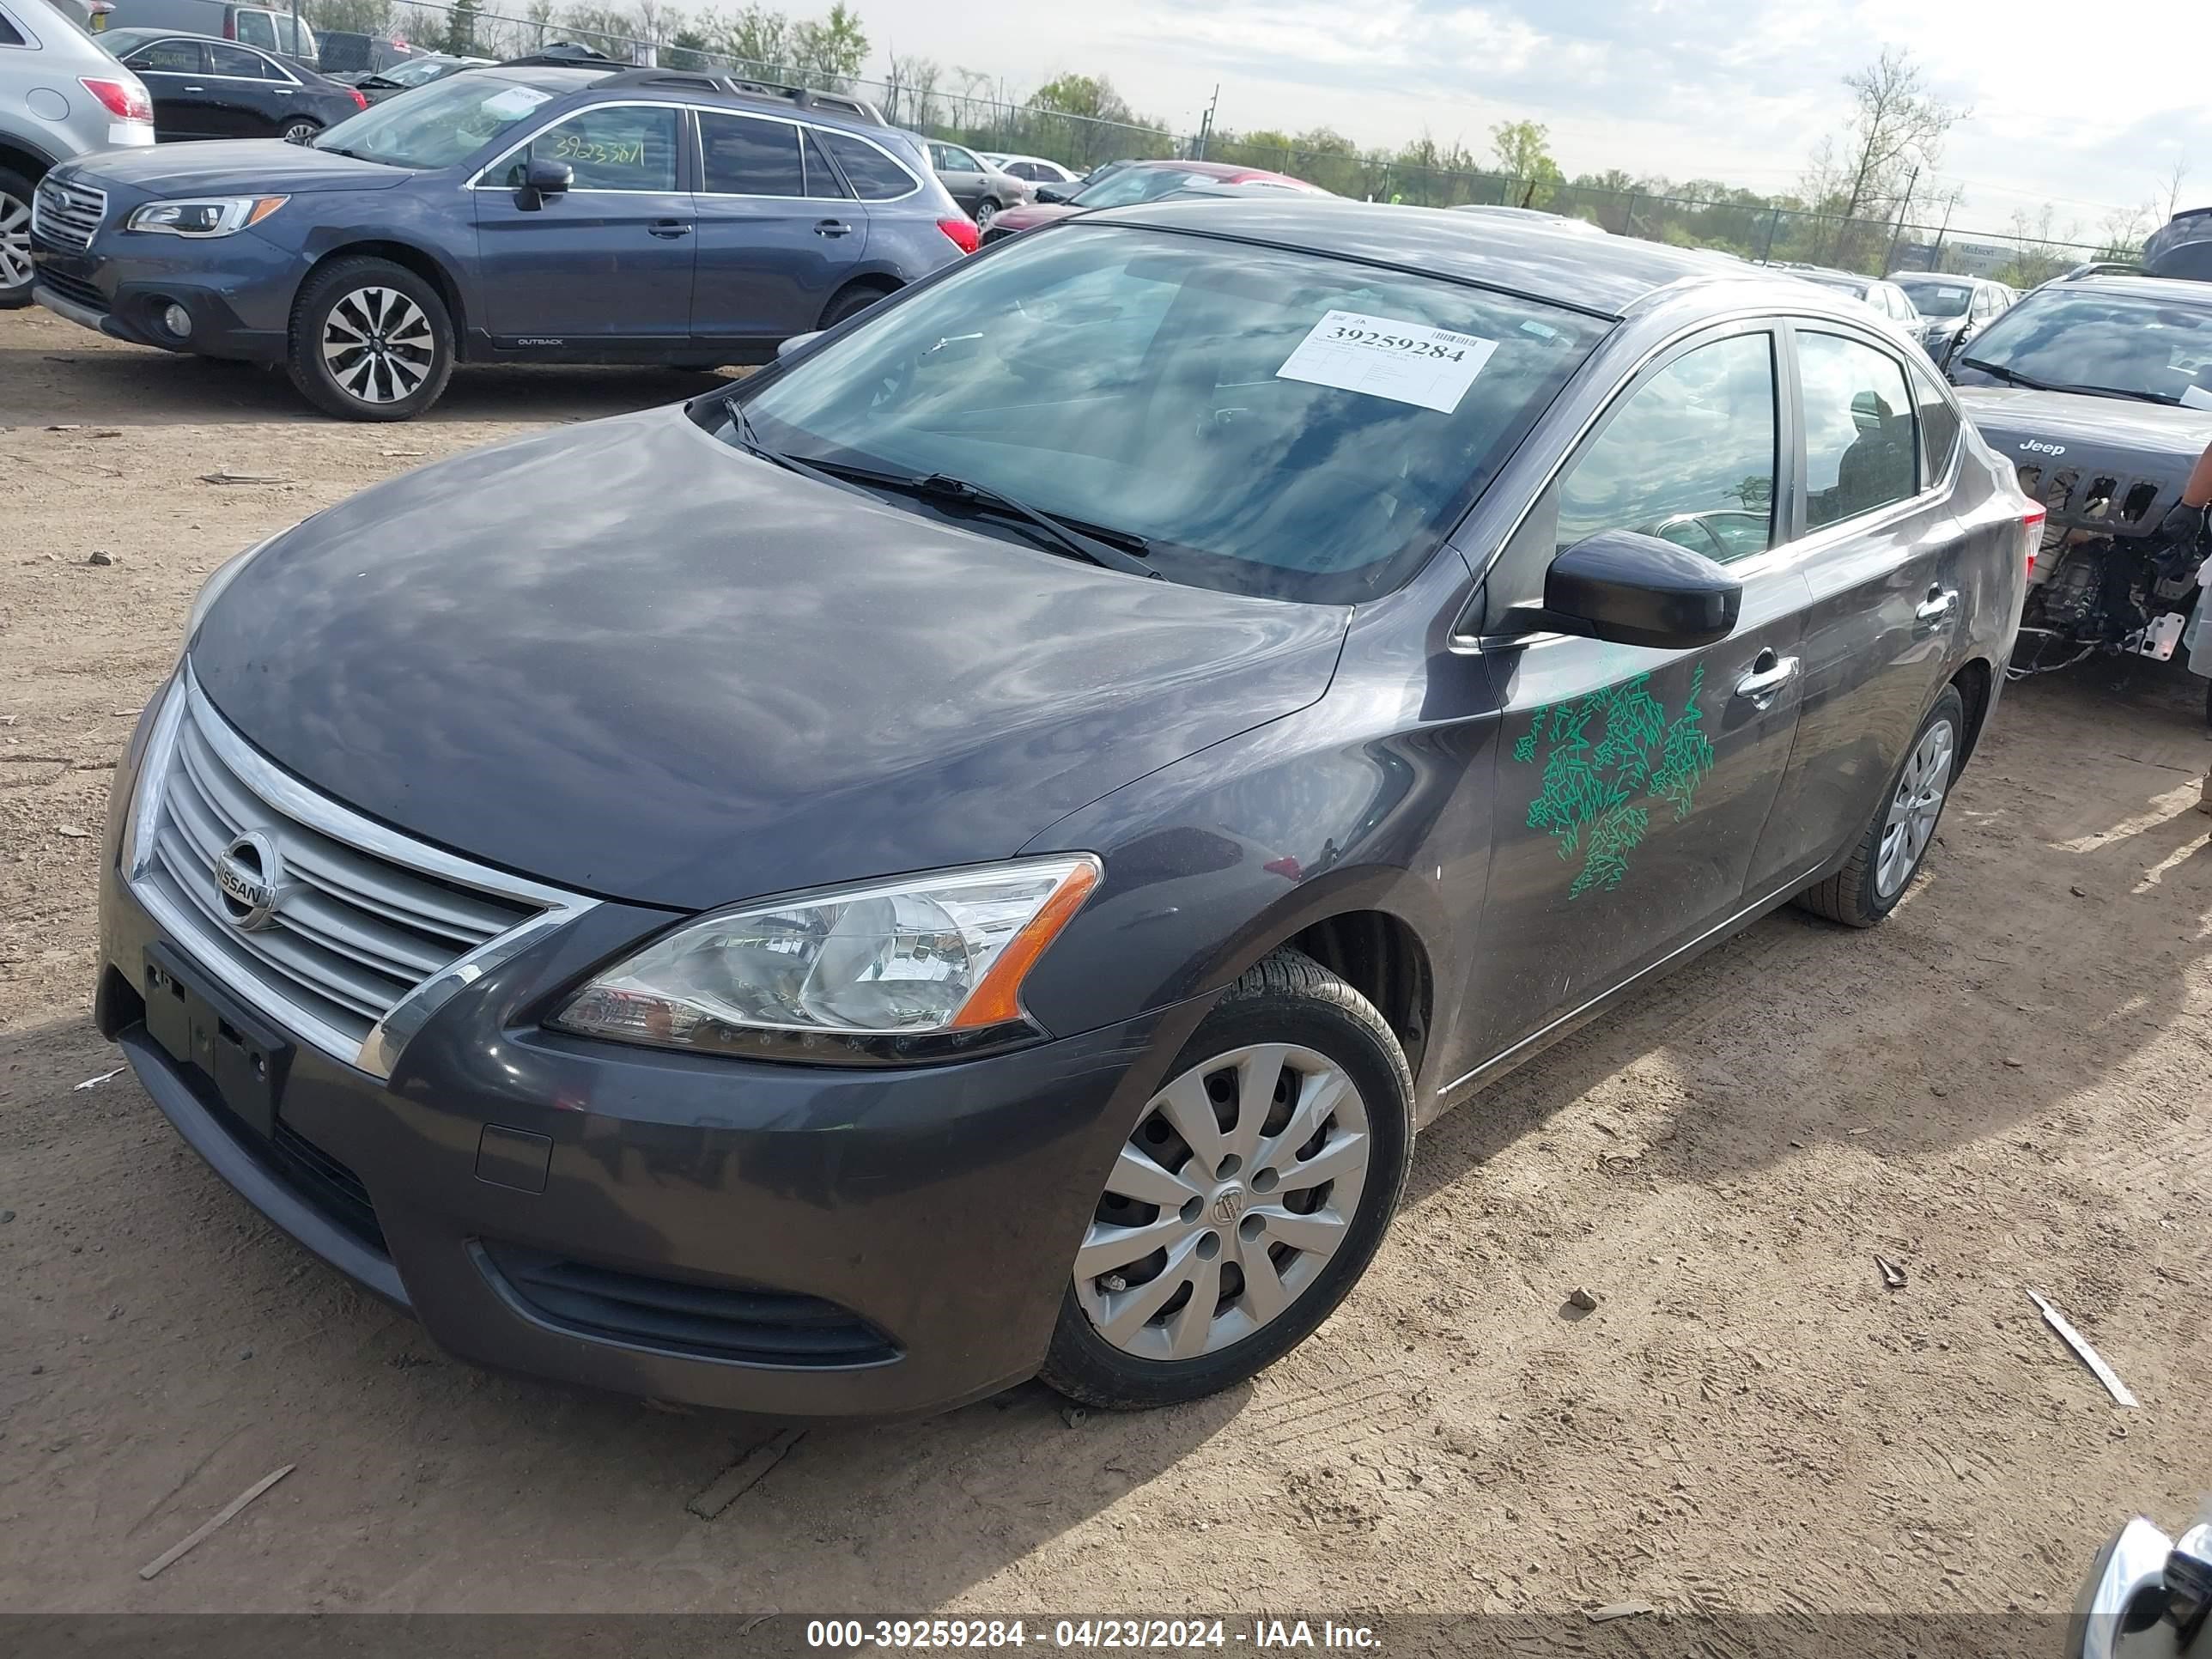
(741,87)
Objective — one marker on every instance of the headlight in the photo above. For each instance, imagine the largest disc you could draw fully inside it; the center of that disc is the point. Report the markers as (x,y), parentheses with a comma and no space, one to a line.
(211,589)
(204,215)
(926,963)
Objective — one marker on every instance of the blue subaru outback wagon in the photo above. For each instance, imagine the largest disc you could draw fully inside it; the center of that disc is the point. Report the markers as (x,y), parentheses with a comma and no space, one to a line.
(524,213)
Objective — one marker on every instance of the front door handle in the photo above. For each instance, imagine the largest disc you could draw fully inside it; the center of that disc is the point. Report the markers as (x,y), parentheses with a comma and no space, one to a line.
(1767,676)
(833,227)
(668,229)
(1937,607)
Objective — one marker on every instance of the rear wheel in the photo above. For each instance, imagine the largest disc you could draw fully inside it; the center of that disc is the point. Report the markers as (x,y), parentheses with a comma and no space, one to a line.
(1887,857)
(850,303)
(1248,1199)
(986,210)
(371,341)
(16,268)
(299,132)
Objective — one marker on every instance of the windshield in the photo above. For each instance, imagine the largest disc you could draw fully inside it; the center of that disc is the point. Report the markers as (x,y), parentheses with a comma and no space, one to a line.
(2143,345)
(1937,299)
(436,125)
(416,70)
(1272,422)
(1132,184)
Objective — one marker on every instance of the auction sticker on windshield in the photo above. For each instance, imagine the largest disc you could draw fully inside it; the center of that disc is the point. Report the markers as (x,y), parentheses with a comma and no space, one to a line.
(1384,357)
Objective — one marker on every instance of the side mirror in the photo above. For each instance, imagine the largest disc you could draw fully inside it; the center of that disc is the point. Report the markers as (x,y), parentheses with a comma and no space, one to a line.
(544,179)
(1627,588)
(797,342)
(1054,193)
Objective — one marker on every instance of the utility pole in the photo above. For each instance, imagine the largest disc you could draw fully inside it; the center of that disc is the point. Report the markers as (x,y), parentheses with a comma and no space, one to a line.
(1905,207)
(1205,123)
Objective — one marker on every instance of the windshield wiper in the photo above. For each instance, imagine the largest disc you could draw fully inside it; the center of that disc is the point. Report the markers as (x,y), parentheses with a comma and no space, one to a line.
(1116,550)
(2010,376)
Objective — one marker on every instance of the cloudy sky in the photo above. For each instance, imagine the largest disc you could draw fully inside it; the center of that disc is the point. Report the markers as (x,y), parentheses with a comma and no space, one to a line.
(1733,89)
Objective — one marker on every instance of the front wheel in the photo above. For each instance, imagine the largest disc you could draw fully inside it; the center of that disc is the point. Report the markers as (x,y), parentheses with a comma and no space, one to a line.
(1248,1199)
(16,270)
(371,341)
(1887,857)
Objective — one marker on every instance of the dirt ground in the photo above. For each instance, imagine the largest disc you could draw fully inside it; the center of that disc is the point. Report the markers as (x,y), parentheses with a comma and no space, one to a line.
(2001,1088)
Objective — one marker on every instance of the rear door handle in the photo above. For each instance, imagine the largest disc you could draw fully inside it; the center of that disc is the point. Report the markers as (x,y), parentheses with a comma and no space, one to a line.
(668,229)
(833,227)
(1937,606)
(195,88)
(1761,684)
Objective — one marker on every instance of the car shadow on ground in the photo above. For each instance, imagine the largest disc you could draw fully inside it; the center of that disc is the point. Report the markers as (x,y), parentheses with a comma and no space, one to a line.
(2008,1007)
(56,383)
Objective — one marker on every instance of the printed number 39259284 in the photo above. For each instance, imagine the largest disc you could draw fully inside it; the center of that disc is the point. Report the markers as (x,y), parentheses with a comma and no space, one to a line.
(1368,337)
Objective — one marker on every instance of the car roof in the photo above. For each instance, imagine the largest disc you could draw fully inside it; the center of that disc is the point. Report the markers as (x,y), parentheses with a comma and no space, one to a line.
(2170,290)
(1605,275)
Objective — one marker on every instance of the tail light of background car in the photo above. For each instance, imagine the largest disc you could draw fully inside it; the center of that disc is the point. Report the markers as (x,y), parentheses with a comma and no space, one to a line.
(2031,532)
(962,233)
(359,102)
(126,101)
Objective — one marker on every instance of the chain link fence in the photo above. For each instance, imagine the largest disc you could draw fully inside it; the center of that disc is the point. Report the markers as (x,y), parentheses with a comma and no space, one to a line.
(973,117)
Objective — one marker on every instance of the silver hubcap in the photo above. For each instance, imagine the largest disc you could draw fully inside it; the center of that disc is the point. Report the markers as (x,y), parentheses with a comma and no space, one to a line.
(378,344)
(1912,813)
(300,131)
(984,212)
(14,242)
(1238,1185)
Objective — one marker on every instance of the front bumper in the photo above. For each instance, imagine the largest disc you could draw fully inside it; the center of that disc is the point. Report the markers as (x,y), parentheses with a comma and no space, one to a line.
(796,1241)
(120,286)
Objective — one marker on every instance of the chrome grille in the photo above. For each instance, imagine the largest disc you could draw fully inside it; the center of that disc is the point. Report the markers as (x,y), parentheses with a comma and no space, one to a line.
(368,930)
(67,215)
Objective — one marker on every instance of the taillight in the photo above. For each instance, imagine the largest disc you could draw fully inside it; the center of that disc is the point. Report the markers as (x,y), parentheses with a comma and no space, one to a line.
(359,102)
(962,233)
(2031,530)
(126,101)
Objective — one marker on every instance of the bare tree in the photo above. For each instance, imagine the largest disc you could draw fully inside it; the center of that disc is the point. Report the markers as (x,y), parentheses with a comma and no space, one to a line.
(2175,179)
(1896,130)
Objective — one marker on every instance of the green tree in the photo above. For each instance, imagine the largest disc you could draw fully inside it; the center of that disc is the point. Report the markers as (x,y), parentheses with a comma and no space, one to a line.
(461,27)
(830,52)
(690,47)
(756,36)
(1524,152)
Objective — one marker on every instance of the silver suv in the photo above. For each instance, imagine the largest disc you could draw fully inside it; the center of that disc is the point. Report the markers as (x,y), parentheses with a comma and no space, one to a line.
(61,96)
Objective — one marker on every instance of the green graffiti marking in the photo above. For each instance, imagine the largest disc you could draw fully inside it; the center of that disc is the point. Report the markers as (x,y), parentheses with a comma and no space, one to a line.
(1599,792)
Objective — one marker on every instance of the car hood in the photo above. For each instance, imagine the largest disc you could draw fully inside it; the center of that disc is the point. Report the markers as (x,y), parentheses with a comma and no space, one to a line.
(631,660)
(233,165)
(1036,213)
(2068,429)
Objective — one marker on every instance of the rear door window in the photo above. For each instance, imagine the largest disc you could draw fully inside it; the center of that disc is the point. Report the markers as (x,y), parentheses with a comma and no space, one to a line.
(746,157)
(1861,452)
(237,62)
(875,177)
(822,178)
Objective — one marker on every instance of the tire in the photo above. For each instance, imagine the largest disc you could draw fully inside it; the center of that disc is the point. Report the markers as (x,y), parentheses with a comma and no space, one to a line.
(986,210)
(299,131)
(1289,1042)
(1869,884)
(849,302)
(15,271)
(347,299)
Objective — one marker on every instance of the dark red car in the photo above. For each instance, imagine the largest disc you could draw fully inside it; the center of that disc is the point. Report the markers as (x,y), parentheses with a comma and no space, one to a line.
(1140,181)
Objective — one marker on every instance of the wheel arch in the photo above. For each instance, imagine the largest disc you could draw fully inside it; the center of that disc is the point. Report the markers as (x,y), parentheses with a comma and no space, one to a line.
(19,157)
(1379,955)
(409,256)
(1975,680)
(881,283)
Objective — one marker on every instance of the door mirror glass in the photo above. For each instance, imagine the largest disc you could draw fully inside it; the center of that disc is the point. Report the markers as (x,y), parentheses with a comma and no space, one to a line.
(797,342)
(1627,588)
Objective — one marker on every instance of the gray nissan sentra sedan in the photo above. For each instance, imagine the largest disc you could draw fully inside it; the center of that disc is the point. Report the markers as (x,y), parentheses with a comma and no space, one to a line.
(971,854)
